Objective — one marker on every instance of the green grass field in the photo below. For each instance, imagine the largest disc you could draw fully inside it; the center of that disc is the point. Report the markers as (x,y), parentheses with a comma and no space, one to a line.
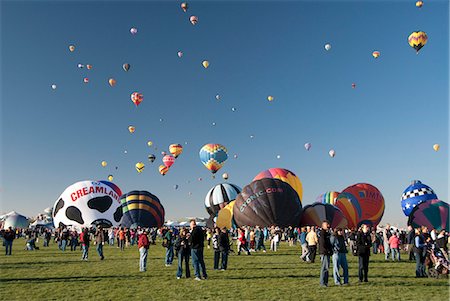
(49,274)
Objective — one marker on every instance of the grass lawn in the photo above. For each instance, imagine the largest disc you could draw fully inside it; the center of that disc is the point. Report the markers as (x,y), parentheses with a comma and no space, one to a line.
(50,274)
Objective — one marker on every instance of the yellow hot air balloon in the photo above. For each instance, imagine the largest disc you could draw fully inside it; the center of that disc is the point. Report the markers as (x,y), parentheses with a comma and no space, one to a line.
(205,64)
(110,178)
(163,169)
(419,4)
(112,82)
(225,216)
(71,48)
(376,54)
(175,149)
(140,167)
(131,129)
(417,40)
(436,147)
(150,143)
(104,163)
(270,98)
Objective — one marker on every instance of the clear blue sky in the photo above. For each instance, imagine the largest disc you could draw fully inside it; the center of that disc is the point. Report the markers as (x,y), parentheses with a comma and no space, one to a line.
(383,131)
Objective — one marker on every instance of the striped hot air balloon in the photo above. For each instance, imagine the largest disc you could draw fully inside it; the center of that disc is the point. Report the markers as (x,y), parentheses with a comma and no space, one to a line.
(213,156)
(315,214)
(141,209)
(432,214)
(284,175)
(328,197)
(219,196)
(417,40)
(175,150)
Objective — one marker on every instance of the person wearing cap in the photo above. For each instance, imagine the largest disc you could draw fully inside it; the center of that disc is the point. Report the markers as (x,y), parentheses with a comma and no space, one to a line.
(143,245)
(325,251)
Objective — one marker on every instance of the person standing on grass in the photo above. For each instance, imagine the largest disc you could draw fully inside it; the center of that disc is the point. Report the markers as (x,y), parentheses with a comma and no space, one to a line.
(304,244)
(73,240)
(274,241)
(8,238)
(224,247)
(64,237)
(215,244)
(394,244)
(242,242)
(363,245)
(339,256)
(111,236)
(410,242)
(100,240)
(312,240)
(420,250)
(183,248)
(84,238)
(168,244)
(386,235)
(325,251)
(121,239)
(143,245)
(197,246)
(47,237)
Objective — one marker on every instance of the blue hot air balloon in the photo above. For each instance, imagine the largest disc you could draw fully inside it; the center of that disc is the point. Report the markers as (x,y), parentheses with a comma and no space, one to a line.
(415,194)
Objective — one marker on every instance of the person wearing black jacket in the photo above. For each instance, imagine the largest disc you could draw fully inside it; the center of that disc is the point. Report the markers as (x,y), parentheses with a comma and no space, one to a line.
(215,241)
(183,249)
(197,245)
(410,242)
(224,247)
(325,251)
(363,245)
(8,238)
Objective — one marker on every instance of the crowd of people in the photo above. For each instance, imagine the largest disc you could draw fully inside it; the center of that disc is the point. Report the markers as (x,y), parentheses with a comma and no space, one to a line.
(188,244)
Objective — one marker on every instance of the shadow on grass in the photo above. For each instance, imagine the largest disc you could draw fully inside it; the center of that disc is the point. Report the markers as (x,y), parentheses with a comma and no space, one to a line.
(78,278)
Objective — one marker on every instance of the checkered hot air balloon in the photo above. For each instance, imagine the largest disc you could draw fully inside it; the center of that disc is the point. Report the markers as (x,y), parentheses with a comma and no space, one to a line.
(415,194)
(213,156)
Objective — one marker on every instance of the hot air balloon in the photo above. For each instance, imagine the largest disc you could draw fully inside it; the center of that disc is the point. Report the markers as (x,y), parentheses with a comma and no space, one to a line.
(71,48)
(85,80)
(180,54)
(149,143)
(163,153)
(110,178)
(225,216)
(141,209)
(415,194)
(353,86)
(184,6)
(163,170)
(205,64)
(104,163)
(233,109)
(270,98)
(151,158)
(137,98)
(89,67)
(219,196)
(376,54)
(350,207)
(417,40)
(193,19)
(131,129)
(213,156)
(308,146)
(284,175)
(175,186)
(217,97)
(175,150)
(112,82)
(315,214)
(267,202)
(54,87)
(225,176)
(16,221)
(81,66)
(419,4)
(168,160)
(436,147)
(332,153)
(433,214)
(328,197)
(327,47)
(126,67)
(200,179)
(370,202)
(133,30)
(140,167)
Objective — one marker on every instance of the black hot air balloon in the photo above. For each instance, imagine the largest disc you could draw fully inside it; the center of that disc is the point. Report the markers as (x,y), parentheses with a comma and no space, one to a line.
(141,208)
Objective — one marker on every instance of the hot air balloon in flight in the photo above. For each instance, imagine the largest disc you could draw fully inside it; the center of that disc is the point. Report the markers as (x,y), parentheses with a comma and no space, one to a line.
(194,20)
(126,67)
(308,146)
(328,197)
(81,66)
(436,147)
(137,98)
(419,4)
(417,40)
(104,163)
(415,194)
(353,85)
(151,158)
(133,30)
(140,167)
(131,129)
(180,54)
(376,54)
(315,214)
(332,153)
(89,67)
(184,6)
(213,156)
(267,202)
(150,143)
(175,150)
(71,48)
(433,214)
(284,175)
(225,176)
(85,80)
(141,209)
(110,178)
(327,47)
(163,170)
(54,87)
(112,82)
(168,160)
(270,98)
(219,196)
(205,64)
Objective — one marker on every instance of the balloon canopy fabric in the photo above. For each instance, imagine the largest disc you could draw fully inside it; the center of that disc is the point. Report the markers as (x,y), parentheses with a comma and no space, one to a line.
(213,156)
(284,175)
(267,202)
(370,203)
(415,194)
(349,206)
(141,209)
(175,150)
(219,196)
(315,214)
(225,216)
(433,214)
(88,203)
(417,40)
(328,197)
(16,221)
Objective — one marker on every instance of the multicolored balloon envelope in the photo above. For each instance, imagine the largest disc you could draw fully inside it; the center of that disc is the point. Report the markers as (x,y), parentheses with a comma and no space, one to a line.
(328,197)
(315,214)
(213,156)
(433,214)
(267,202)
(225,216)
(219,196)
(349,206)
(175,150)
(371,202)
(141,209)
(284,175)
(415,194)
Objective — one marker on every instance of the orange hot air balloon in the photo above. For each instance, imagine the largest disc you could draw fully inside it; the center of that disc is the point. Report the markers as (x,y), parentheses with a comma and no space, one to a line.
(112,82)
(137,98)
(193,19)
(419,4)
(131,129)
(89,67)
(376,54)
(163,170)
(175,150)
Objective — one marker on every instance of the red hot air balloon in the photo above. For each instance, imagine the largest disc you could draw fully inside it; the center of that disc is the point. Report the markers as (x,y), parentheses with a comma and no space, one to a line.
(168,160)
